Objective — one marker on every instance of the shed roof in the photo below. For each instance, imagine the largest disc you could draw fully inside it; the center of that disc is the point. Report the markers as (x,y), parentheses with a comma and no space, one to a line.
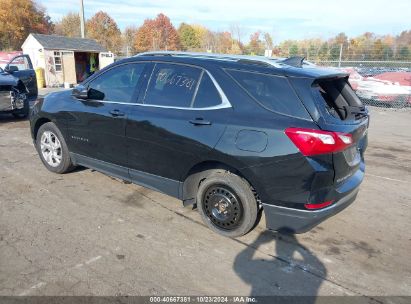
(55,42)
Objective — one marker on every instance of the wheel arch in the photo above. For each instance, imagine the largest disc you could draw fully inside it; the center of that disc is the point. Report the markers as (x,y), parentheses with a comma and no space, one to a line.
(39,122)
(200,171)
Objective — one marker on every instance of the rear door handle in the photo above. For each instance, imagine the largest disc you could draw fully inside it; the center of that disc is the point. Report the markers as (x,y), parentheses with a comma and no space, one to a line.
(116,113)
(200,122)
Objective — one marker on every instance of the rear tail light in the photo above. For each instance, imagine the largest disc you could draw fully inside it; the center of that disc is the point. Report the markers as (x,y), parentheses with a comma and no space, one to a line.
(313,142)
(318,206)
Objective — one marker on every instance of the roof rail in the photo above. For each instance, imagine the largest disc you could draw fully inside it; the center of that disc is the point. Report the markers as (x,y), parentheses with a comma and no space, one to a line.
(257,60)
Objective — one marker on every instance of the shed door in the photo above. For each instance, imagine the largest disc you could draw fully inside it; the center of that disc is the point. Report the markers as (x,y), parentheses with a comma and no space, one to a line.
(69,67)
(105,58)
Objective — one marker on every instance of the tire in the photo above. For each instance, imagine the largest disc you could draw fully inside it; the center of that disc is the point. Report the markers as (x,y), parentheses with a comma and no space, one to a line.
(49,138)
(227,204)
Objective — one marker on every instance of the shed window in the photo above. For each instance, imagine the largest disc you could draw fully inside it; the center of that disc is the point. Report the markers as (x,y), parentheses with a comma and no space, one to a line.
(57,62)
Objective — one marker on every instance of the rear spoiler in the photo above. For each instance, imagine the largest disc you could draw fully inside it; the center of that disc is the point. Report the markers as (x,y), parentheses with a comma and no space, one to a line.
(296,61)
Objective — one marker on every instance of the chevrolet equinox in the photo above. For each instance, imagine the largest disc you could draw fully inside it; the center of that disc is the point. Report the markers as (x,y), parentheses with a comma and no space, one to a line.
(234,136)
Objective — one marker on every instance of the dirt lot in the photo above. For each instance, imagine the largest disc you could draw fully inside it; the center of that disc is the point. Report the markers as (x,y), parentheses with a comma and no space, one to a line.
(85,233)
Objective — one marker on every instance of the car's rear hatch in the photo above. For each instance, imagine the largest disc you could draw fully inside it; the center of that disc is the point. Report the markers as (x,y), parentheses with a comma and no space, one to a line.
(334,106)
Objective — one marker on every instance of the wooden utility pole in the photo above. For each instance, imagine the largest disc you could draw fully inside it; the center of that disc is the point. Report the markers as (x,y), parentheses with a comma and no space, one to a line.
(82,29)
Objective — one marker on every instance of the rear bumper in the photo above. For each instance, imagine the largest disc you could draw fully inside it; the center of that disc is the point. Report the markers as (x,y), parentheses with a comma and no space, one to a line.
(298,221)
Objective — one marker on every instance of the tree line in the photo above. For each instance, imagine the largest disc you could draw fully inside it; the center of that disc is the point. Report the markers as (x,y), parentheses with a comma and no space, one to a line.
(18,18)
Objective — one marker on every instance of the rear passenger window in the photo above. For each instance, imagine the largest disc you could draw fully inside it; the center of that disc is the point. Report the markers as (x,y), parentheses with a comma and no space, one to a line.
(172,85)
(273,92)
(207,94)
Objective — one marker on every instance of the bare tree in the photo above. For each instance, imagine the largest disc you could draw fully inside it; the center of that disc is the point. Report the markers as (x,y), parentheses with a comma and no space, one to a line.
(236,32)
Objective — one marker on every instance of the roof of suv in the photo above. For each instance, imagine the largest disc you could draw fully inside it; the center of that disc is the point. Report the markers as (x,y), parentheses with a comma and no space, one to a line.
(275,65)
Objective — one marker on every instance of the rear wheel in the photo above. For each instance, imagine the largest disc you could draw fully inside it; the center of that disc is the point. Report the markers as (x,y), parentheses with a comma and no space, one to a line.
(227,204)
(52,149)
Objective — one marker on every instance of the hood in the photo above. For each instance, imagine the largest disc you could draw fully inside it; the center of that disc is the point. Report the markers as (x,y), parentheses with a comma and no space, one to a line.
(8,80)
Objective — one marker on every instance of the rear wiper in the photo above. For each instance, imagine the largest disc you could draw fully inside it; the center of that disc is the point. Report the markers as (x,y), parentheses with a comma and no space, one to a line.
(356,111)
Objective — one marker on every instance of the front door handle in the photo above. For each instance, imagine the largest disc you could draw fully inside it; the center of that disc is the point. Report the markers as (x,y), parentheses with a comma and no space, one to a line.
(116,113)
(200,122)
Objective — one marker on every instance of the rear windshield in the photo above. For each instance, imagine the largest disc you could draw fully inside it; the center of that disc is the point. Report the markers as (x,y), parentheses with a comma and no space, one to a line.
(271,91)
(339,98)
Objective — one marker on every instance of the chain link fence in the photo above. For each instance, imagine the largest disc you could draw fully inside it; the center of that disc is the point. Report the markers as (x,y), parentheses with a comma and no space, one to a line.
(378,83)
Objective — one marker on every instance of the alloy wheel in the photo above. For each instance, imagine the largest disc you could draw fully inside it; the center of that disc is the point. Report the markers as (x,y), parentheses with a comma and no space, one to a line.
(51,148)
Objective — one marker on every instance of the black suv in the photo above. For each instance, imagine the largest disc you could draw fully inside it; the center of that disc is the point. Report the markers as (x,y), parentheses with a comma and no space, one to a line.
(233,135)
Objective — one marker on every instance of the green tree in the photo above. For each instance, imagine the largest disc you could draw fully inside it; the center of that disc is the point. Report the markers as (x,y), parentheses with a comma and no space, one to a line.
(404,53)
(204,36)
(334,51)
(293,50)
(188,37)
(323,52)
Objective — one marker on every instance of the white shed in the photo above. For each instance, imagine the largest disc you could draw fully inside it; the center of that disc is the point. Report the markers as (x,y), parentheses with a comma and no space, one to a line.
(65,59)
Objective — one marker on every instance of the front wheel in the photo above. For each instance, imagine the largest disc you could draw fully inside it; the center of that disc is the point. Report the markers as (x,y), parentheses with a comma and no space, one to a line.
(227,204)
(52,149)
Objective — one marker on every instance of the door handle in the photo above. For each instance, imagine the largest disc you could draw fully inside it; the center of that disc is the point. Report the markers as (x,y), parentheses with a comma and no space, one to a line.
(116,113)
(200,122)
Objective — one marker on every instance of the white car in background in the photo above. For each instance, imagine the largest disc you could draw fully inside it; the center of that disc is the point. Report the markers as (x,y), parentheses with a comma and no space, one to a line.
(390,88)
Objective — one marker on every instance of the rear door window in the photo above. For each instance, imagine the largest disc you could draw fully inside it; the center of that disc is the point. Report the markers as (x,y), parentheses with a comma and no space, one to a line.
(271,91)
(172,85)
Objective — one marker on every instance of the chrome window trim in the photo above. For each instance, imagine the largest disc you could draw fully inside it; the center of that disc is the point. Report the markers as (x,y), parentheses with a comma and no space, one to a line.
(217,107)
(196,90)
(225,103)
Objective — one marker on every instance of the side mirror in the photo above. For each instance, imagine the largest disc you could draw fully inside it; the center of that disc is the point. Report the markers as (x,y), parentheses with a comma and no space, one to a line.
(80,92)
(11,69)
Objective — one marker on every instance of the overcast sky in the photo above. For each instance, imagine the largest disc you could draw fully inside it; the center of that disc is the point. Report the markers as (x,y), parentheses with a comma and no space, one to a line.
(286,19)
